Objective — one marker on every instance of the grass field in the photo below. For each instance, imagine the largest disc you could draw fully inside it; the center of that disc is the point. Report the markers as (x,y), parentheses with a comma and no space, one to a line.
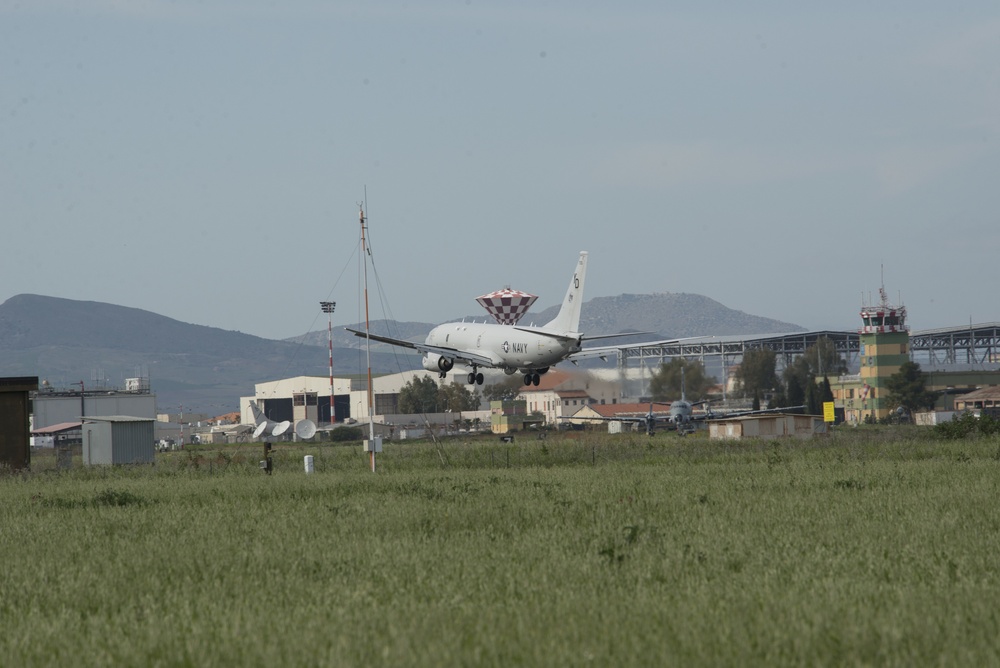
(871,547)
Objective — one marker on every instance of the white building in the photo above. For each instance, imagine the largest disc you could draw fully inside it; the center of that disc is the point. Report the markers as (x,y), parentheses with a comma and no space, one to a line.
(308,397)
(560,394)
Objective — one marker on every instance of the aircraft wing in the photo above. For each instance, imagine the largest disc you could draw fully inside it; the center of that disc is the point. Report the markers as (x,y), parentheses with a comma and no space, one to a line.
(764,411)
(595,337)
(402,343)
(460,356)
(606,352)
(592,353)
(577,336)
(604,419)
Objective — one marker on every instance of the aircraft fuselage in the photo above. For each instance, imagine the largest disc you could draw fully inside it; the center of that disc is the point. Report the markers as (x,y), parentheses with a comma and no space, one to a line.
(507,346)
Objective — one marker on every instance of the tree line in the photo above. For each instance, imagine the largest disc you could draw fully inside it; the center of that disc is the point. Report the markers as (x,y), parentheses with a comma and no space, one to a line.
(805,382)
(422,394)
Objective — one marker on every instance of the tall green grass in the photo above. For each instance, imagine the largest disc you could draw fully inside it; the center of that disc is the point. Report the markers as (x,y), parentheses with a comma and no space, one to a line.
(870,547)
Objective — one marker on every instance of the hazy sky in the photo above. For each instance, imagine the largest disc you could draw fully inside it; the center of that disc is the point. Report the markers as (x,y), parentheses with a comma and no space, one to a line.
(204,159)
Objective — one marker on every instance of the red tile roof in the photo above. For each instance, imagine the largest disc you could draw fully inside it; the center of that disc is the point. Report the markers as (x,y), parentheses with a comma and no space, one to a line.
(572,394)
(548,381)
(56,428)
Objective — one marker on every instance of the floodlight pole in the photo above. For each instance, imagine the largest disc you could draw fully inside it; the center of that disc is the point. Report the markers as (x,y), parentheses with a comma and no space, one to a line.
(328,308)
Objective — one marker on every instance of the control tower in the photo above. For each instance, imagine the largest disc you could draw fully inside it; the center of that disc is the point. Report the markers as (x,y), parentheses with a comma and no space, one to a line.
(885,342)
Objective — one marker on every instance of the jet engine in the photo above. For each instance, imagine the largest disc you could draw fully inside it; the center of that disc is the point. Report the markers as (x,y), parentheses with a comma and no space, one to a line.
(439,363)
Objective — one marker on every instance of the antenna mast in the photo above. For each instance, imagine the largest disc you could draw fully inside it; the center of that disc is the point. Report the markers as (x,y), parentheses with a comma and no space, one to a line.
(372,445)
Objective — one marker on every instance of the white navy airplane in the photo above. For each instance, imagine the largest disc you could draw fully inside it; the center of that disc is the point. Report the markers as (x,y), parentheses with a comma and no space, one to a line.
(530,351)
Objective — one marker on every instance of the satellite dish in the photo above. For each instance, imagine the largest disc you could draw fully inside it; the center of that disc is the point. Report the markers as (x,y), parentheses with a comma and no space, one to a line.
(281,428)
(259,431)
(305,429)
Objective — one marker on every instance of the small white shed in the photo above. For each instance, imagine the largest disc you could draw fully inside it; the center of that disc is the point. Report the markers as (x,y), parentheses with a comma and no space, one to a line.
(118,439)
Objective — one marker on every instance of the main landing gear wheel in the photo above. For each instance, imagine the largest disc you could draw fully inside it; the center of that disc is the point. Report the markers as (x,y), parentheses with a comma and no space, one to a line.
(532,379)
(475,378)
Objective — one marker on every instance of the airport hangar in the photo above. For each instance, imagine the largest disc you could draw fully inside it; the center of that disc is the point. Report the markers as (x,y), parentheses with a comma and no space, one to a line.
(308,397)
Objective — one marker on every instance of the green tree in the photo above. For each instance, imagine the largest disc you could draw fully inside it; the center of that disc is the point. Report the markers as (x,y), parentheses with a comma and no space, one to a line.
(819,359)
(666,383)
(778,399)
(419,395)
(822,358)
(814,401)
(907,388)
(456,398)
(825,390)
(505,390)
(795,391)
(756,374)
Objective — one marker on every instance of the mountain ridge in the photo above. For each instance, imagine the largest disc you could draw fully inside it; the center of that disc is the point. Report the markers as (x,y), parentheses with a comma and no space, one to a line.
(206,369)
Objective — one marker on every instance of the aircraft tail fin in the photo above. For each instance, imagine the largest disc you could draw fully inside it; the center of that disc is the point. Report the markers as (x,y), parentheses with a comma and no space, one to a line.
(568,318)
(258,416)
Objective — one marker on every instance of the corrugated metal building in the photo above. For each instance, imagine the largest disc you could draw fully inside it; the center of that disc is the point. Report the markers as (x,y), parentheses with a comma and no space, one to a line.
(51,408)
(118,439)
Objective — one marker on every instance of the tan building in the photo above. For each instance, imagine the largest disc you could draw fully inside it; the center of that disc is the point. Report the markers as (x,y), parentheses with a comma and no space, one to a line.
(987,398)
(510,416)
(771,425)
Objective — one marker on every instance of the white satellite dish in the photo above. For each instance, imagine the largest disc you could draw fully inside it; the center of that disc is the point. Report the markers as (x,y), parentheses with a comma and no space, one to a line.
(305,429)
(281,428)
(259,431)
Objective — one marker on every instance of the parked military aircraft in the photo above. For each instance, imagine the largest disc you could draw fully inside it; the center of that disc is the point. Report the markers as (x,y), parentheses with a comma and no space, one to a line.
(513,348)
(683,418)
(679,415)
(304,429)
(649,420)
(265,426)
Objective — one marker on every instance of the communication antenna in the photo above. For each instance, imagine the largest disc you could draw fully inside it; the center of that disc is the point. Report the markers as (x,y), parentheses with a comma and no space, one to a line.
(281,428)
(373,444)
(260,429)
(305,429)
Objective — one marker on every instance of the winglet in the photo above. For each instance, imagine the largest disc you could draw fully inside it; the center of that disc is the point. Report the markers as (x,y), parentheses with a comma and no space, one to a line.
(568,318)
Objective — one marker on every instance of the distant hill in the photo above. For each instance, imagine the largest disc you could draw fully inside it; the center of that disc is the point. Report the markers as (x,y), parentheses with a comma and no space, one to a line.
(206,369)
(671,315)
